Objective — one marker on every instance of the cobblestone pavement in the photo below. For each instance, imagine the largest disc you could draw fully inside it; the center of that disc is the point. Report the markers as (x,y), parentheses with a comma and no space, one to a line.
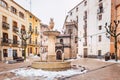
(98,70)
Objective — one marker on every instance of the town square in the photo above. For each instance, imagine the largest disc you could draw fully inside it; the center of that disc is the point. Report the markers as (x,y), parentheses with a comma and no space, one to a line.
(60,40)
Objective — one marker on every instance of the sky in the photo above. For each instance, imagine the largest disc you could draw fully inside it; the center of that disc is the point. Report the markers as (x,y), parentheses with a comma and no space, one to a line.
(46,9)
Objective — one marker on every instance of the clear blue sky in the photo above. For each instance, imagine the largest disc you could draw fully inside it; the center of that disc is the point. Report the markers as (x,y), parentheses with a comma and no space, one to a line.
(46,9)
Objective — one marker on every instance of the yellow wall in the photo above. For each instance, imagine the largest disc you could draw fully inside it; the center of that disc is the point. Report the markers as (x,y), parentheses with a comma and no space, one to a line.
(20,21)
(35,23)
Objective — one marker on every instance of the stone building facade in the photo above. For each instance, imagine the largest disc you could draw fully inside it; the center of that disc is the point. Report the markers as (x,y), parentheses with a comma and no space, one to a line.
(13,20)
(91,16)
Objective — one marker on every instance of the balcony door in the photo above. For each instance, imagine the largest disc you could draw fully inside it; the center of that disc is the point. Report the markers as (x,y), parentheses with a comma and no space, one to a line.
(14,39)
(5,37)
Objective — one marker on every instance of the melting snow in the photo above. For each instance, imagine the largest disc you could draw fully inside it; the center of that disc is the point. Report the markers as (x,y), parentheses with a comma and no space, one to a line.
(48,75)
(112,61)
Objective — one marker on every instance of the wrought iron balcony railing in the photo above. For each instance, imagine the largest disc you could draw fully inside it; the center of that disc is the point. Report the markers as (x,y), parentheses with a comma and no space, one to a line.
(5,25)
(15,29)
(5,41)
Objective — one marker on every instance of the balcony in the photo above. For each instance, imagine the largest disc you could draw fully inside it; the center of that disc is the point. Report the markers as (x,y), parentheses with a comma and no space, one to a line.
(31,43)
(5,41)
(85,17)
(31,30)
(15,43)
(15,29)
(5,25)
(71,23)
(23,31)
(100,10)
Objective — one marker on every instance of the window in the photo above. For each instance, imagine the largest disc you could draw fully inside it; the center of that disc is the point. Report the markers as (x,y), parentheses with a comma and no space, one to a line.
(21,15)
(70,31)
(76,39)
(4,19)
(70,13)
(15,28)
(5,38)
(61,41)
(5,54)
(77,9)
(100,17)
(30,26)
(14,39)
(100,38)
(14,24)
(100,27)
(85,3)
(13,10)
(23,29)
(35,40)
(30,40)
(30,16)
(3,4)
(85,15)
(77,19)
(101,8)
(15,53)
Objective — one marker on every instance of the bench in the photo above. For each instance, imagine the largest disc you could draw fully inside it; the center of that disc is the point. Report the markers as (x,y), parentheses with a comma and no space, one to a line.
(18,59)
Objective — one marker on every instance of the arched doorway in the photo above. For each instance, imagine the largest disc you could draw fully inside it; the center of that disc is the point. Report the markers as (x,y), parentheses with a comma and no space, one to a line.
(59,55)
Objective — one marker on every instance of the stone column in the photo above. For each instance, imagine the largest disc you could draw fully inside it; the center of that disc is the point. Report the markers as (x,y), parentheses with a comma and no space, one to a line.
(51,48)
(51,56)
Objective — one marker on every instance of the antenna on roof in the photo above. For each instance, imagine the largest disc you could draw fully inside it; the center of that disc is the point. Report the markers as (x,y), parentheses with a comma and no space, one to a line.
(30,6)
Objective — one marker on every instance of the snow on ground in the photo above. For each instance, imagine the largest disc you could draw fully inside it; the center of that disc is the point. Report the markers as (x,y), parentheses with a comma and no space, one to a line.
(48,75)
(7,79)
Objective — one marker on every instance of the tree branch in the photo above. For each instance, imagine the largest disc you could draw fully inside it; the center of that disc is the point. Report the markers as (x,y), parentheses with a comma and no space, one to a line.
(118,34)
(108,31)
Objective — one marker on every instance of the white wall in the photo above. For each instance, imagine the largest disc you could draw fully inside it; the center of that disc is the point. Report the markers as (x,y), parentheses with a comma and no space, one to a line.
(92,26)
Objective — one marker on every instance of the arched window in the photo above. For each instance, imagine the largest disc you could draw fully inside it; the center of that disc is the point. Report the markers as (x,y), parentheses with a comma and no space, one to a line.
(61,41)
(3,4)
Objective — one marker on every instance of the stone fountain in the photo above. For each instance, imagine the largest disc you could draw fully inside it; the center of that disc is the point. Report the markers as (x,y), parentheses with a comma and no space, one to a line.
(51,62)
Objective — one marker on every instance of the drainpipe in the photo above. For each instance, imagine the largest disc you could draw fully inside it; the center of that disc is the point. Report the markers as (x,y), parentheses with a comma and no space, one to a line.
(70,46)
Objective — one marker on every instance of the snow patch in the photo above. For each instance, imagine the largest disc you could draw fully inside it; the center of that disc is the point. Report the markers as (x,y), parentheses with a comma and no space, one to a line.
(112,61)
(7,79)
(48,75)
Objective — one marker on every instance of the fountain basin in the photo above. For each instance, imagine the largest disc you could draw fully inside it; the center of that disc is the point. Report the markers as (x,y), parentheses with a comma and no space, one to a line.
(52,66)
(51,33)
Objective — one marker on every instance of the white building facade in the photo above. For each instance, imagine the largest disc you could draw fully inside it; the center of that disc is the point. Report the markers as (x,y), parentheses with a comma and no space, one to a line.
(91,16)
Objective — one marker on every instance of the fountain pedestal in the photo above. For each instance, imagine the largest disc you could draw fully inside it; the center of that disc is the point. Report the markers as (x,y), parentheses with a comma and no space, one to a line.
(52,63)
(51,56)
